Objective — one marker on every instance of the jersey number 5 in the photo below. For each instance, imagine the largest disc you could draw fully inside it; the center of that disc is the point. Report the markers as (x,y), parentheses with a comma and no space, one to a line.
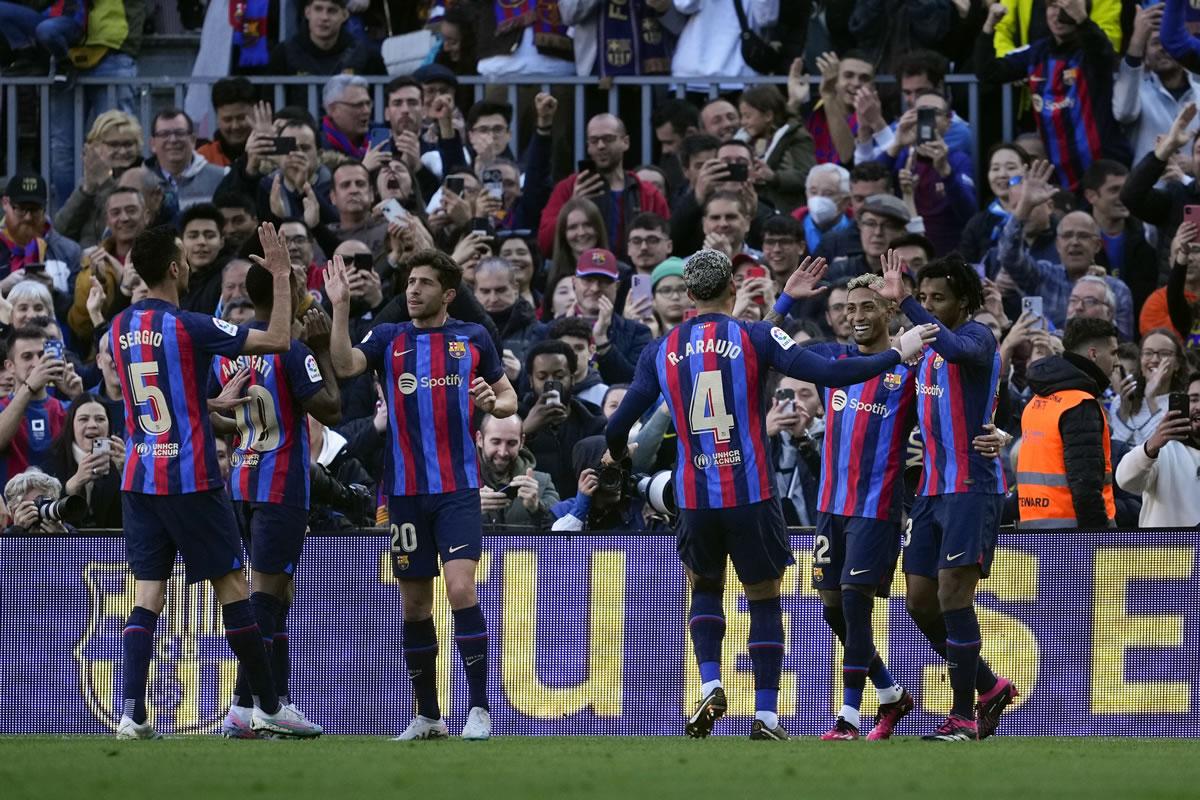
(707,413)
(157,419)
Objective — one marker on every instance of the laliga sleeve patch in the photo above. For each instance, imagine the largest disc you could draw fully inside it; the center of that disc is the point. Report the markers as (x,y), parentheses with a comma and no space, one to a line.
(782,339)
(228,327)
(310,365)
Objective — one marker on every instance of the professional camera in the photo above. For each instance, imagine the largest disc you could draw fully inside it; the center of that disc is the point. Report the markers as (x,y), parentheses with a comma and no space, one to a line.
(655,489)
(354,500)
(72,508)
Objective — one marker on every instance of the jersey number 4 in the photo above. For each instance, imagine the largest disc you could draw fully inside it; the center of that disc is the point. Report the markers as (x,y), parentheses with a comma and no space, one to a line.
(707,413)
(157,417)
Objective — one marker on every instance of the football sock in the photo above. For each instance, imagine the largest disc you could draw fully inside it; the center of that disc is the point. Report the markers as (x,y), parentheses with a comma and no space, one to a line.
(137,646)
(246,641)
(470,634)
(859,650)
(420,656)
(706,621)
(281,662)
(880,678)
(766,655)
(934,628)
(266,613)
(962,656)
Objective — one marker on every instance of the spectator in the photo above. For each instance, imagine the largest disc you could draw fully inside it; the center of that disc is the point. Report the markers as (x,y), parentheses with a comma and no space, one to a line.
(403,113)
(534,42)
(916,251)
(687,221)
(711,40)
(621,38)
(614,396)
(619,195)
(654,176)
(1080,101)
(204,248)
(240,216)
(1142,403)
(27,237)
(671,301)
(367,300)
(300,250)
(28,302)
(347,103)
(725,223)
(1179,296)
(1151,86)
(1178,42)
(1078,243)
(783,246)
(154,195)
(866,180)
(233,100)
(1026,19)
(795,428)
(88,459)
(521,202)
(882,219)
(834,123)
(1064,469)
(589,388)
(505,462)
(127,217)
(31,417)
(719,119)
(649,242)
(36,37)
(515,317)
(618,341)
(113,145)
(695,151)
(1127,253)
(1006,164)
(352,197)
(784,151)
(887,30)
(108,391)
(559,300)
(673,121)
(187,177)
(332,453)
(553,425)
(579,228)
(828,189)
(299,187)
(232,285)
(943,192)
(1091,296)
(520,249)
(22,493)
(322,47)
(1164,469)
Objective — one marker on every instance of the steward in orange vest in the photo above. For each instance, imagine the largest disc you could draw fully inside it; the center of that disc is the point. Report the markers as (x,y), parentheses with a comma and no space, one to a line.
(1064,468)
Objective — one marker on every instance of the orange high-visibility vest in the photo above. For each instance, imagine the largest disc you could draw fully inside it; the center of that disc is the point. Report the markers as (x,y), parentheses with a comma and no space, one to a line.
(1044,496)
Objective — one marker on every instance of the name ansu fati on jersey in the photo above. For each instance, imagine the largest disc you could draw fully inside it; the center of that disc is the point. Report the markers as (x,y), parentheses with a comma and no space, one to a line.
(721,347)
(255,362)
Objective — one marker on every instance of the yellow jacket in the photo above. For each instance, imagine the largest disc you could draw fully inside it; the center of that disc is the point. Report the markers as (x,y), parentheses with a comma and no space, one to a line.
(77,317)
(1013,31)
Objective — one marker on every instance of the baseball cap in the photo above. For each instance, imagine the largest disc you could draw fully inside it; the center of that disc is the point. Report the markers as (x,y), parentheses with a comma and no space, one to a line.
(26,187)
(597,261)
(744,258)
(436,73)
(887,205)
(672,267)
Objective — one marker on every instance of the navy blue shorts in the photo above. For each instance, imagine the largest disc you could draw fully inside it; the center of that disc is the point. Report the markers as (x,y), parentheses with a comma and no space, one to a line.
(425,526)
(274,535)
(753,536)
(952,530)
(855,550)
(200,526)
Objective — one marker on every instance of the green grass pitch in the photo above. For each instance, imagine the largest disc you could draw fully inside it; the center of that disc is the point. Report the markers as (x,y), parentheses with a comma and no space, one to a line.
(597,767)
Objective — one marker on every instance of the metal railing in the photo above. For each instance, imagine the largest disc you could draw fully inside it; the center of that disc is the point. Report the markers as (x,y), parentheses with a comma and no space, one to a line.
(154,93)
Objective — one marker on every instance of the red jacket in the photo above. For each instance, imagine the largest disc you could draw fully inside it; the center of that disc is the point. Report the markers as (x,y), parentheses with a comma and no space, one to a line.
(638,197)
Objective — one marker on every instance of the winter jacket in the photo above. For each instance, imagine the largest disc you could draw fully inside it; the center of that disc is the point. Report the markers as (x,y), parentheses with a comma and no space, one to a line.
(636,198)
(519,328)
(1013,30)
(552,445)
(1144,106)
(1081,428)
(1138,262)
(790,154)
(112,25)
(300,56)
(58,248)
(196,184)
(627,337)
(517,513)
(1160,207)
(944,203)
(78,318)
(886,29)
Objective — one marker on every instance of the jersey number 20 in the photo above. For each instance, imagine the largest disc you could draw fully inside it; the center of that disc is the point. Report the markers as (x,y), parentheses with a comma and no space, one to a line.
(707,413)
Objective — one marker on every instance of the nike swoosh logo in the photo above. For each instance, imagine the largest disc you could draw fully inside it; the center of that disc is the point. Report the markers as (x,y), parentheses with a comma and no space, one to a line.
(858,571)
(956,555)
(402,353)
(471,660)
(461,546)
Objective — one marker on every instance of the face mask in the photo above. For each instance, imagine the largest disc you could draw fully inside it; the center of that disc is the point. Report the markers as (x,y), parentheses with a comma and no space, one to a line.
(822,210)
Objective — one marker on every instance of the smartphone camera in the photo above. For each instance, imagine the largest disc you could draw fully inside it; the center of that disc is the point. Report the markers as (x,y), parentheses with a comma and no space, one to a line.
(552,392)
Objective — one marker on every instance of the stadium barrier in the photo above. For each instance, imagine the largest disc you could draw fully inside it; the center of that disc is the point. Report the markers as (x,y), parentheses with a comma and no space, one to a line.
(27,103)
(1100,631)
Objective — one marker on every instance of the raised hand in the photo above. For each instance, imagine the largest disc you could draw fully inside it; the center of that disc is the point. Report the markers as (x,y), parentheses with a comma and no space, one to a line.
(802,283)
(798,87)
(275,258)
(894,288)
(1179,135)
(913,341)
(1037,187)
(337,285)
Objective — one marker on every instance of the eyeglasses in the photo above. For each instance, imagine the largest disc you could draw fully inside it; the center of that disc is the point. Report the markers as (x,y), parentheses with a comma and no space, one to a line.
(27,210)
(782,241)
(296,241)
(671,291)
(1086,302)
(121,144)
(490,130)
(1079,236)
(361,105)
(1159,354)
(648,241)
(876,224)
(175,133)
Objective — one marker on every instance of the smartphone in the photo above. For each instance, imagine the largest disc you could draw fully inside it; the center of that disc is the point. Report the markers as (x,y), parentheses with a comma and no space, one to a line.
(1033,306)
(284,145)
(739,171)
(757,272)
(393,211)
(362,261)
(1178,401)
(1190,214)
(509,491)
(552,392)
(639,288)
(456,185)
(102,446)
(926,125)
(587,165)
(377,135)
(53,348)
(485,224)
(787,398)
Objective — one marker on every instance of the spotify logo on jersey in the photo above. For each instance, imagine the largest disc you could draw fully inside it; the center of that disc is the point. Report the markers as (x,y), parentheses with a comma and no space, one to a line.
(407,383)
(839,400)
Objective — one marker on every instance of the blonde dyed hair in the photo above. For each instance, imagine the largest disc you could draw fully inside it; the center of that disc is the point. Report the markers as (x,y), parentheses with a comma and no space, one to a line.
(115,120)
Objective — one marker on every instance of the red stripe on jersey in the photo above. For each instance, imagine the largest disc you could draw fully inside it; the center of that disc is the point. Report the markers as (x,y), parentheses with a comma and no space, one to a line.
(858,438)
(441,411)
(187,367)
(958,424)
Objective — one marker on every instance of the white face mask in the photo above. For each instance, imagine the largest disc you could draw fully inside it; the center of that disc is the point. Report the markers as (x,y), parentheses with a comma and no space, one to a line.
(822,210)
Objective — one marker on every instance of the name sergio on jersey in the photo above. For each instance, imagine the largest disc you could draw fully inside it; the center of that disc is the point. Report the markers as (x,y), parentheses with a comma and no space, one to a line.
(722,347)
(840,401)
(128,340)
(408,383)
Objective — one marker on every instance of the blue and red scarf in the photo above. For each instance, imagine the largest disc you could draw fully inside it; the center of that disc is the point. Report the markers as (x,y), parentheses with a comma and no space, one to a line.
(248,18)
(336,140)
(21,256)
(632,40)
(548,28)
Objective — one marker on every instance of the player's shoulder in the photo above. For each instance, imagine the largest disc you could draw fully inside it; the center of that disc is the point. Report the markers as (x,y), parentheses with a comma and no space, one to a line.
(386,331)
(196,322)
(472,330)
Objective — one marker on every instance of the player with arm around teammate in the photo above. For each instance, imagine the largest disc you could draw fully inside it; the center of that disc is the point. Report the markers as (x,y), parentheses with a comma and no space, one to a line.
(173,498)
(712,370)
(435,371)
(956,515)
(269,481)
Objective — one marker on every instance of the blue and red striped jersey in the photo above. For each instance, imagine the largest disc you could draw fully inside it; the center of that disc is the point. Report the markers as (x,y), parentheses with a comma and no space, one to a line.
(163,355)
(866,435)
(30,446)
(958,383)
(270,451)
(712,370)
(426,375)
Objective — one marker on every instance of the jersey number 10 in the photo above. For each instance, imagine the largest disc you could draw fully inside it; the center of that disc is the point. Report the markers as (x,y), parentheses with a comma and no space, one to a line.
(707,413)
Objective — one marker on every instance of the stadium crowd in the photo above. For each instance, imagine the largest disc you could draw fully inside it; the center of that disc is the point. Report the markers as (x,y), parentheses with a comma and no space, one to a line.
(1091,212)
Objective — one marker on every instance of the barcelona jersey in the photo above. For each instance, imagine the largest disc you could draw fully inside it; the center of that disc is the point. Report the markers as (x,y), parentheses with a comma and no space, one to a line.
(30,446)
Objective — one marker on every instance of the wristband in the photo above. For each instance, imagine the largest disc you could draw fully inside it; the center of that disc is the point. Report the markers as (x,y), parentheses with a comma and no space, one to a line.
(784,304)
